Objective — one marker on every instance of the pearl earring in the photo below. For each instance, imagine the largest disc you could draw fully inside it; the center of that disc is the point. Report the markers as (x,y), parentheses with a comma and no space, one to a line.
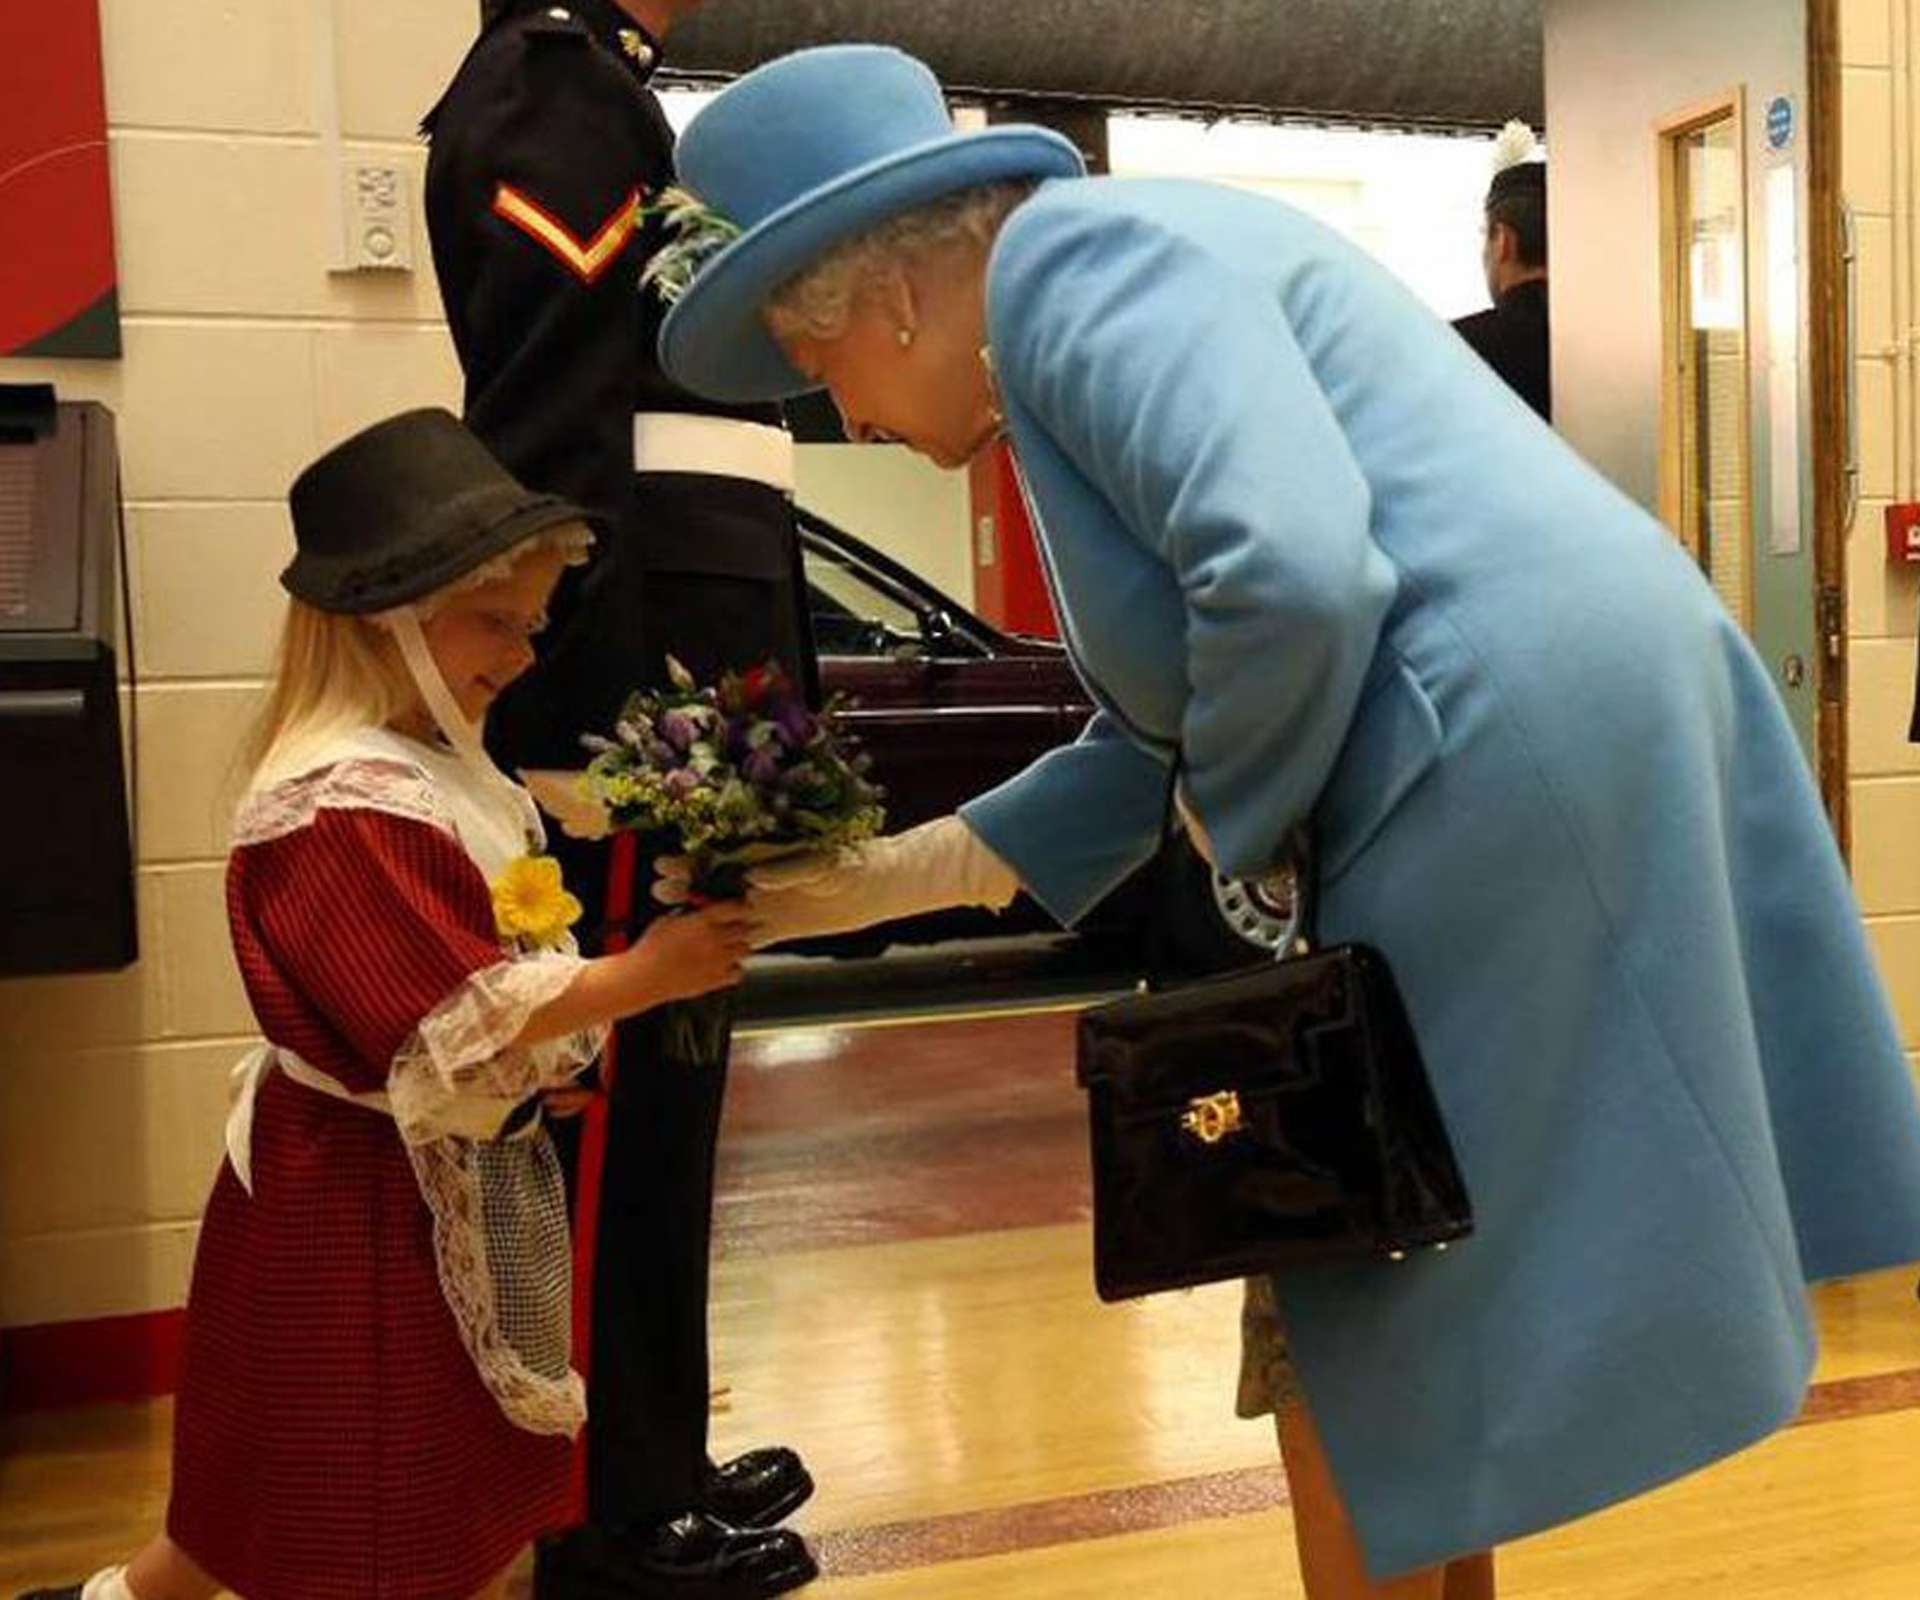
(997,416)
(904,335)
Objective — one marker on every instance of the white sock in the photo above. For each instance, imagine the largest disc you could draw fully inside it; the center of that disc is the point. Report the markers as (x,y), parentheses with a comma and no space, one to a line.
(108,1585)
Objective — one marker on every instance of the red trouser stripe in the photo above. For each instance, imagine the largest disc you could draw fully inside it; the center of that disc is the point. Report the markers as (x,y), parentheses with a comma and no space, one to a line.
(590,1170)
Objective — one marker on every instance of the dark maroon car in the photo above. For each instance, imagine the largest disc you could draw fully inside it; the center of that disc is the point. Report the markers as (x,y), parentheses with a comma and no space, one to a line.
(948,705)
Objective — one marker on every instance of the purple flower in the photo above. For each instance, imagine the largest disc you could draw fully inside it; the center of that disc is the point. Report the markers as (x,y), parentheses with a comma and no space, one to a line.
(762,767)
(681,783)
(796,722)
(679,729)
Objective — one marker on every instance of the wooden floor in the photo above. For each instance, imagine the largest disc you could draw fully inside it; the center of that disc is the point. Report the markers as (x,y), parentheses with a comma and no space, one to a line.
(903,1293)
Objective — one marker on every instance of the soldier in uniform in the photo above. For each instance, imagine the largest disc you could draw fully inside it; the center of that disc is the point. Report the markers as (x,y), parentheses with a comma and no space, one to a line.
(1512,337)
(546,148)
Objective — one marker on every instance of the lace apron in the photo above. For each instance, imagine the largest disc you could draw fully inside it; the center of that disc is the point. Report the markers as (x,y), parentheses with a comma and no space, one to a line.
(490,1181)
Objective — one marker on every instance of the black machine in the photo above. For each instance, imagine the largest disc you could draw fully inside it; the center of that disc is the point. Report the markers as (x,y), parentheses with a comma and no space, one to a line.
(67,891)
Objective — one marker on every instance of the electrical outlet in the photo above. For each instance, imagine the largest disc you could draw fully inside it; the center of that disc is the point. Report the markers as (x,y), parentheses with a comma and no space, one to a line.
(378,217)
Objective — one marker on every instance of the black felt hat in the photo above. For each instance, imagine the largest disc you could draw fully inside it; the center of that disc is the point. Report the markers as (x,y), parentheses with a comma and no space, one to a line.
(402,509)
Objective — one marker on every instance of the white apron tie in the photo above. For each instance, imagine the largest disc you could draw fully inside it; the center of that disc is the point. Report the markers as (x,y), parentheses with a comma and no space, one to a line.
(244,1079)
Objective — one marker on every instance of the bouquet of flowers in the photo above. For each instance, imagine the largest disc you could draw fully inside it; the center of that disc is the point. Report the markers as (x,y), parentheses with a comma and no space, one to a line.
(727,775)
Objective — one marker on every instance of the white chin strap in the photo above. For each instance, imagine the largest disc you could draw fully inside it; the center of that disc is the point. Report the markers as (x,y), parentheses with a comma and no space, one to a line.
(452,722)
(440,703)
(447,716)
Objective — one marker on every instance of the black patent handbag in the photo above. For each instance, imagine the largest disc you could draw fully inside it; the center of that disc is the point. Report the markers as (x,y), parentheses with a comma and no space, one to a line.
(1271,1118)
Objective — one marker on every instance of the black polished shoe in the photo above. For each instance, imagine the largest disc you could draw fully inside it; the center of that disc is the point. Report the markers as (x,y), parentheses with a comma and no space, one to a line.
(758,1489)
(691,1557)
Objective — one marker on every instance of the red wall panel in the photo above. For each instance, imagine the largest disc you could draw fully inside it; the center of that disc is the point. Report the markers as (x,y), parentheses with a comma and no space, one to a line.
(57,280)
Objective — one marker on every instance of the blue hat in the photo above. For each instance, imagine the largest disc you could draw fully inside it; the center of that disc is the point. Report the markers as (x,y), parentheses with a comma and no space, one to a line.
(803,153)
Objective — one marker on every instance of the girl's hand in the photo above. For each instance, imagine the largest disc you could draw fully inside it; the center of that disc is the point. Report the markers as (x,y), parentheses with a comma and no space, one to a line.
(693,952)
(681,955)
(568,1102)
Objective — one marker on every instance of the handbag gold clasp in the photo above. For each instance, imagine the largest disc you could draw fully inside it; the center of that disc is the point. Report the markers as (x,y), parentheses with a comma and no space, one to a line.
(1211,1117)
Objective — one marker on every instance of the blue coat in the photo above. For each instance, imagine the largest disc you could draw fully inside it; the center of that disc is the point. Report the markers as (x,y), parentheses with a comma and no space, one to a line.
(1298,532)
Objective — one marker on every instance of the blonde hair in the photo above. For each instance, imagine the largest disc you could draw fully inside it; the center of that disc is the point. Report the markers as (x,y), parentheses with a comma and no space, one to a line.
(817,302)
(334,672)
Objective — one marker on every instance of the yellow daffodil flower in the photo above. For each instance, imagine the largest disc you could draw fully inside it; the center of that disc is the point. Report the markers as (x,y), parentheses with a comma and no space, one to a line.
(531,903)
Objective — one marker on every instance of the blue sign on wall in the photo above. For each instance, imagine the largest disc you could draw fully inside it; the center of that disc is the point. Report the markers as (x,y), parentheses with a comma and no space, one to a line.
(1779,122)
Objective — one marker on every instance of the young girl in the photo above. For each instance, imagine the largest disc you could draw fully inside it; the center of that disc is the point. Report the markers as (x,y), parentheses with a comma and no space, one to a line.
(376,1402)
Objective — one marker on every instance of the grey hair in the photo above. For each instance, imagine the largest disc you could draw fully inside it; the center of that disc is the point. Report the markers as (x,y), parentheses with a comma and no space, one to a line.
(817,302)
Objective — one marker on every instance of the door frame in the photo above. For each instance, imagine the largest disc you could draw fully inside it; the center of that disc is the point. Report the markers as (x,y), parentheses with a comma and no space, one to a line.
(1832,357)
(1678,441)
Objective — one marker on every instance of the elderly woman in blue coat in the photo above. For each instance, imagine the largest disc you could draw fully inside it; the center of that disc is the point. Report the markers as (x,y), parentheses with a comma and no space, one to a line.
(1303,545)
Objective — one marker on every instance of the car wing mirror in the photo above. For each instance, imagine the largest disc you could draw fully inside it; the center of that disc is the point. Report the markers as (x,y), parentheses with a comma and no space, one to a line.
(936,631)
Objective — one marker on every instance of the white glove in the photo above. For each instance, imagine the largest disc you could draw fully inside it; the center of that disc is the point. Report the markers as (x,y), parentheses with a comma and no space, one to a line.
(929,868)
(562,796)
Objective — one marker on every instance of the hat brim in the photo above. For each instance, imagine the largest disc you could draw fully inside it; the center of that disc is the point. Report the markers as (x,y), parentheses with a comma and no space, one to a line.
(412,574)
(713,340)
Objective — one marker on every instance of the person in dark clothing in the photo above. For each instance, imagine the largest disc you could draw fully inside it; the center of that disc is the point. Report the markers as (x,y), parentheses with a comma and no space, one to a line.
(1512,336)
(547,150)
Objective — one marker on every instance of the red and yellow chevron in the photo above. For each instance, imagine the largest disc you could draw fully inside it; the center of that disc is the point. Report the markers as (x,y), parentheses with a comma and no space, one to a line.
(587,260)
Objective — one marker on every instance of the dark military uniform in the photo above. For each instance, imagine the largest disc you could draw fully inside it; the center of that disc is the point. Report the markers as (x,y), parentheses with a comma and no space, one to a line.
(545,147)
(1512,339)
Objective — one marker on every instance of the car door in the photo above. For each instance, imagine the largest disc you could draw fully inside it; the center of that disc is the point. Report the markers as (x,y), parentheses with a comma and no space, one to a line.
(945,707)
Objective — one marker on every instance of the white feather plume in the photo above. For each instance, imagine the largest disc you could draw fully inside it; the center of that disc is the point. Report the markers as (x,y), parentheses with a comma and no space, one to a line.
(1515,144)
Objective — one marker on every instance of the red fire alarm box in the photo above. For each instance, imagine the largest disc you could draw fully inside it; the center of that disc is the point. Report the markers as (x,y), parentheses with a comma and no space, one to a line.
(1903,532)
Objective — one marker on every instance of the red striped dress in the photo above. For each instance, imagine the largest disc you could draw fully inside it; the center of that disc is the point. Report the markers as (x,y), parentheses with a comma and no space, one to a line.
(333,1439)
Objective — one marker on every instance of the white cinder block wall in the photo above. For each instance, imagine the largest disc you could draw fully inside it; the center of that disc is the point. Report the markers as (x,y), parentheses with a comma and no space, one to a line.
(1878,52)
